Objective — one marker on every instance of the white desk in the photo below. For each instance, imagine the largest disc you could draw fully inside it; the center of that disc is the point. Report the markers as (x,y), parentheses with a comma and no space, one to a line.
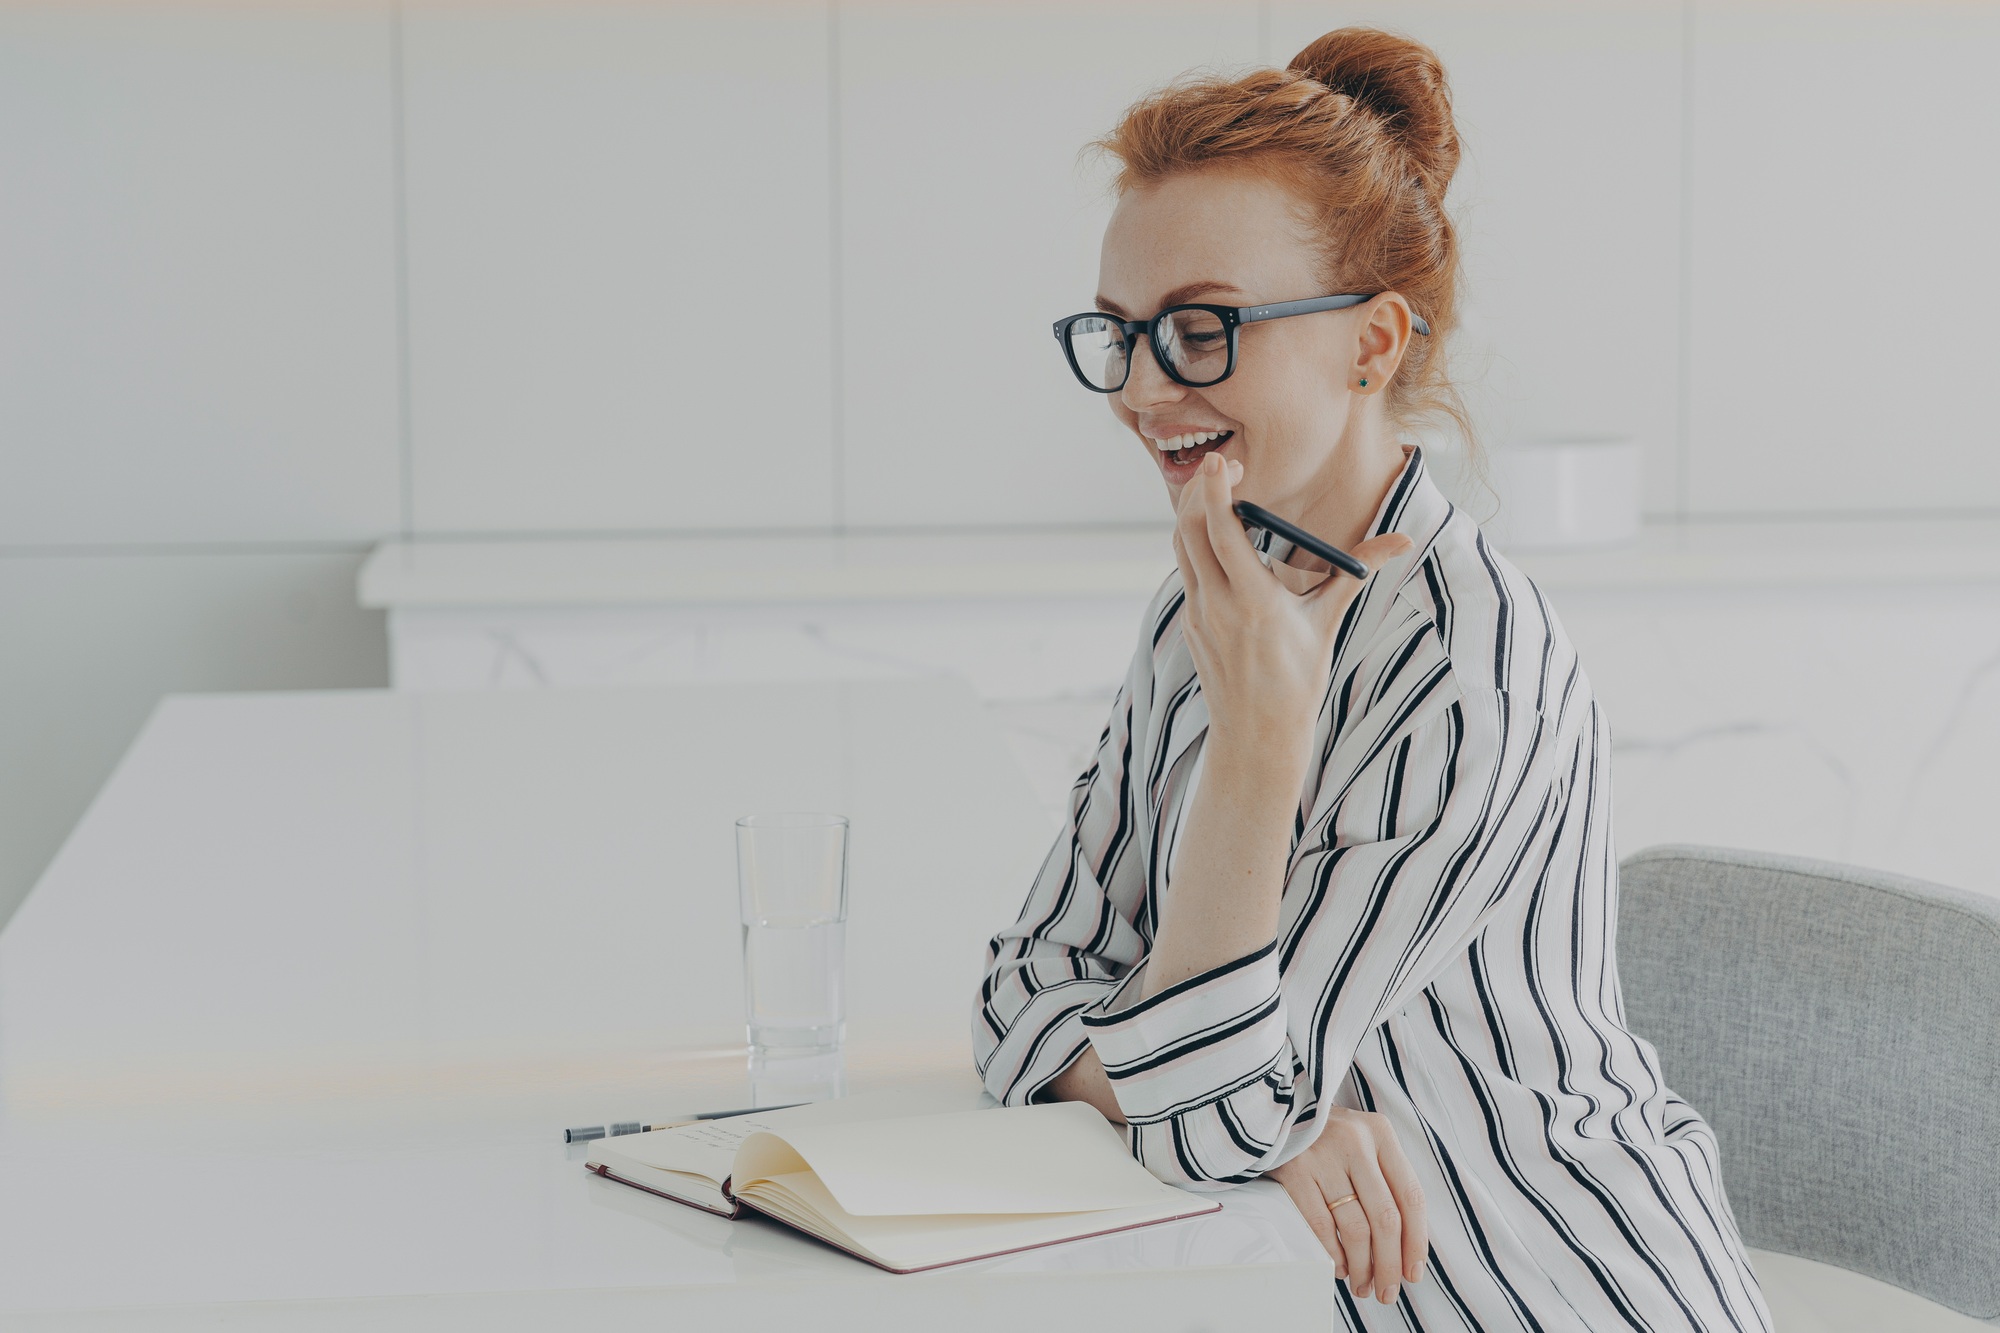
(288,1030)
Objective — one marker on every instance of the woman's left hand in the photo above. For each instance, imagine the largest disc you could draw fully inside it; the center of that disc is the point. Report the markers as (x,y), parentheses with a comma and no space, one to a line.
(1360,1196)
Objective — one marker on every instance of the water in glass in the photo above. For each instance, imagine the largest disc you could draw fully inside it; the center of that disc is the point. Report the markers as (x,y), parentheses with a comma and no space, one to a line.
(792,974)
(791,875)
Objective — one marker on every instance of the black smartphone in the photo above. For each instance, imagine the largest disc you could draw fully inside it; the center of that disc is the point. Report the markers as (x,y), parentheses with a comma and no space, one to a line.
(1260,517)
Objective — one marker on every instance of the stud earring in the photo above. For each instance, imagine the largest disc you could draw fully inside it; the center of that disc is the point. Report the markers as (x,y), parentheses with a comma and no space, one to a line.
(1364,384)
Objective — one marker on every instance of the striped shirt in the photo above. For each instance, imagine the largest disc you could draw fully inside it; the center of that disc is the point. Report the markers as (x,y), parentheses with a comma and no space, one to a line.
(1444,957)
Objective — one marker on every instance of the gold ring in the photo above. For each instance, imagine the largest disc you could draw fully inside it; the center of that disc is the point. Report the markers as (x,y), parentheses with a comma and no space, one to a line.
(1345,1198)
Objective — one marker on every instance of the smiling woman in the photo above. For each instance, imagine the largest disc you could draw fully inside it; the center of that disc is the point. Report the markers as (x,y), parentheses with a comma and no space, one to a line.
(1337,901)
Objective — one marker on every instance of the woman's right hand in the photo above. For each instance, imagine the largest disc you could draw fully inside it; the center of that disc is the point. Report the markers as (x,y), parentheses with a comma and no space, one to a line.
(1262,651)
(1379,1236)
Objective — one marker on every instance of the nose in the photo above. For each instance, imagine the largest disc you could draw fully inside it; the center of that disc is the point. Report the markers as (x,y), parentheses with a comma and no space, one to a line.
(1147,384)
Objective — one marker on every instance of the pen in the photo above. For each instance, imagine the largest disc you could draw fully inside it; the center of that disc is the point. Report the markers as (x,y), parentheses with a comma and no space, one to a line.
(585,1133)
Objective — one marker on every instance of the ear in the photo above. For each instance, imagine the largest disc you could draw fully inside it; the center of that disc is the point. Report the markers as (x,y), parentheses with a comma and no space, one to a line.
(1385,336)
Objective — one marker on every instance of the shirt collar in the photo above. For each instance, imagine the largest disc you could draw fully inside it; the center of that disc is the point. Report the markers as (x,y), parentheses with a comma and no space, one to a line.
(1414,506)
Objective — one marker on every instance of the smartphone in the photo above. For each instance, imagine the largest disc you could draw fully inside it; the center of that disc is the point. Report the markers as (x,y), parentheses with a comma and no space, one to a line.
(1260,517)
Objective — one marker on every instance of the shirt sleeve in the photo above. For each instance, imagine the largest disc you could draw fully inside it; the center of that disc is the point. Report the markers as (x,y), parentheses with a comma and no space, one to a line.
(1219,1076)
(1072,946)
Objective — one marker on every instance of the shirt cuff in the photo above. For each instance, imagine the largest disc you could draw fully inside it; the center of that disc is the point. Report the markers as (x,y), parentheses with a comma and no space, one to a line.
(1044,1039)
(1193,1043)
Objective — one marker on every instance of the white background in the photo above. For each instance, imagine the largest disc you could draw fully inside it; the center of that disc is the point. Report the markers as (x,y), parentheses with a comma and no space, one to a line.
(278,280)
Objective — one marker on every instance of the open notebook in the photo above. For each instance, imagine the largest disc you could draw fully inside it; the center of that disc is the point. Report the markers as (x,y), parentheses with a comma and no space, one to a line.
(907,1192)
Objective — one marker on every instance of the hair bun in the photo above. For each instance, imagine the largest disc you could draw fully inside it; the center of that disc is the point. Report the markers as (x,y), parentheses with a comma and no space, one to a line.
(1402,82)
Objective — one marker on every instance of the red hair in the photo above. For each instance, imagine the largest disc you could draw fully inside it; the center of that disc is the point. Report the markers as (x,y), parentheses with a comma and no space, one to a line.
(1359,127)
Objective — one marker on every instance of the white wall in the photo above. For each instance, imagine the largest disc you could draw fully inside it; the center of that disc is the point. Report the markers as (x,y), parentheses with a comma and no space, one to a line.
(1844,202)
(279,279)
(199,373)
(618,265)
(197,276)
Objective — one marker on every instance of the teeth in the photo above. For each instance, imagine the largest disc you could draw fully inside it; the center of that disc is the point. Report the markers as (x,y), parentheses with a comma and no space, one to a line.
(1189,440)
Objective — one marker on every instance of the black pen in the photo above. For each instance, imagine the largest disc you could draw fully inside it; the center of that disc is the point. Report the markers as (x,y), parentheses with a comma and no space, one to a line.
(585,1133)
(1258,516)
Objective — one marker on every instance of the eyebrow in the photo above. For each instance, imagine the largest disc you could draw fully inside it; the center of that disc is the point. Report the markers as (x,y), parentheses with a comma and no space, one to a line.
(1177,296)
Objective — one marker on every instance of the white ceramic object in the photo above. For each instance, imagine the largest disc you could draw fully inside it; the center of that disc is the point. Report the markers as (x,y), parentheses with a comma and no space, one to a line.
(1568,491)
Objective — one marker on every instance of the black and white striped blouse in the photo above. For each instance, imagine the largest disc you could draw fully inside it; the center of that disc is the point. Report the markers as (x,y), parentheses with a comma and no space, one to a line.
(1444,957)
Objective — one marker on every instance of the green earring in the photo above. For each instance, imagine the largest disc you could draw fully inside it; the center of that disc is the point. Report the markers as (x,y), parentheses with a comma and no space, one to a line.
(1364,384)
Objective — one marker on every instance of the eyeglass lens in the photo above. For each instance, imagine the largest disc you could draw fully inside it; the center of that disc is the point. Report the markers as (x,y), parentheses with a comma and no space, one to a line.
(1197,345)
(1195,342)
(1097,346)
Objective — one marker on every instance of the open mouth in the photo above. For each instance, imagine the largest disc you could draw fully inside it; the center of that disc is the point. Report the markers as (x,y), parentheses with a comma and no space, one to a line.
(1189,448)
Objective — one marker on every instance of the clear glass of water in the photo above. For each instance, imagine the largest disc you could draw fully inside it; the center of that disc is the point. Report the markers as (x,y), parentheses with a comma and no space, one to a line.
(791,880)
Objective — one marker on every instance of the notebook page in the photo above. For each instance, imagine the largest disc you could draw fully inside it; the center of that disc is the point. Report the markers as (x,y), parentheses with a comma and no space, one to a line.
(705,1149)
(685,1186)
(1058,1157)
(911,1242)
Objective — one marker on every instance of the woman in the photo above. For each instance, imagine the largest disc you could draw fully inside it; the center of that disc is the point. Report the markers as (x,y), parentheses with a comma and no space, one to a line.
(1336,902)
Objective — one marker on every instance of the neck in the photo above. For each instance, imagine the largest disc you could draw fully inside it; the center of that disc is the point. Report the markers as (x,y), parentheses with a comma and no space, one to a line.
(1346,494)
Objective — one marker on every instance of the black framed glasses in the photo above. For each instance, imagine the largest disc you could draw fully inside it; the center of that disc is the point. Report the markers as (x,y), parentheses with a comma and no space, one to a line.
(1195,344)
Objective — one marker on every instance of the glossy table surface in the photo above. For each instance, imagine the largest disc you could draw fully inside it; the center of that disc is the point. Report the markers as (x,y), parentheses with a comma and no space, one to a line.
(297,1016)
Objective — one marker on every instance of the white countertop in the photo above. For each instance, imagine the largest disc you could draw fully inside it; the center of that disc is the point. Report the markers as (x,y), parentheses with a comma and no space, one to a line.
(409,575)
(1780,554)
(769,568)
(298,1012)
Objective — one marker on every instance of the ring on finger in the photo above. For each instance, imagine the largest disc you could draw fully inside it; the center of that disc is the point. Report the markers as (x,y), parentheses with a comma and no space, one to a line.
(1345,1198)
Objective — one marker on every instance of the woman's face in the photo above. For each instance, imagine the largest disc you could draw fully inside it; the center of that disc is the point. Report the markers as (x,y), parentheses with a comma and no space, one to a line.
(1235,238)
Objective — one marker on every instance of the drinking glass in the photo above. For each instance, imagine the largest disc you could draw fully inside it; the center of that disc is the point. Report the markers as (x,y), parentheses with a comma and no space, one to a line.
(791,880)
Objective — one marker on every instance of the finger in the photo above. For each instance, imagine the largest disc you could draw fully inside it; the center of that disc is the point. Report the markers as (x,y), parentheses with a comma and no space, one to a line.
(1306,1198)
(1378,551)
(1402,1178)
(1181,559)
(1201,553)
(1194,524)
(1191,604)
(1385,1224)
(1225,531)
(1350,1220)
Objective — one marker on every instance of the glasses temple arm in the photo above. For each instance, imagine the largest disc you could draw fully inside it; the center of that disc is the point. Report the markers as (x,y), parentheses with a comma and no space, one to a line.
(1252,314)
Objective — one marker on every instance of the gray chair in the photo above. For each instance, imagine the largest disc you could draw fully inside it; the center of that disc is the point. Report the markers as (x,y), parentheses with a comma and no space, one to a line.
(1840,1030)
